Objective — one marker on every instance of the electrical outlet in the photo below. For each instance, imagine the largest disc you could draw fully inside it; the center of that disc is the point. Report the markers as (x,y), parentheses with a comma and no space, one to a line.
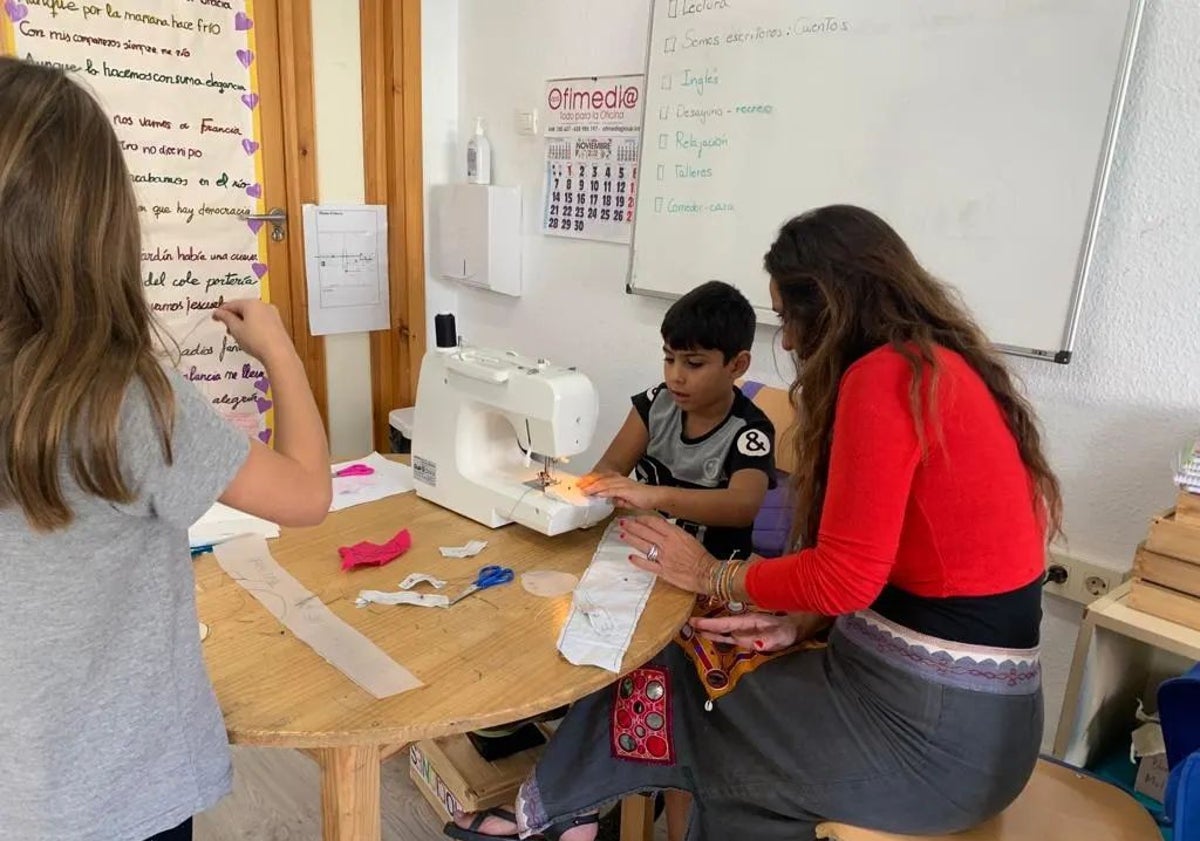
(1078,580)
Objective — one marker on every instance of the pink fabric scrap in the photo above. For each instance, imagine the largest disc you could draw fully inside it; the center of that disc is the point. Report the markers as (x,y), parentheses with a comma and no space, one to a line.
(375,554)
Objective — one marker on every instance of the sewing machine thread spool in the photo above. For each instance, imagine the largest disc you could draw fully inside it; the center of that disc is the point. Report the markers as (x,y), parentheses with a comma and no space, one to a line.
(445,331)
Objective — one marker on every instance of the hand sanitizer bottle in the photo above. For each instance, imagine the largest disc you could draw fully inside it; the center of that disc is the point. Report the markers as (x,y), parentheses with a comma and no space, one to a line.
(479,156)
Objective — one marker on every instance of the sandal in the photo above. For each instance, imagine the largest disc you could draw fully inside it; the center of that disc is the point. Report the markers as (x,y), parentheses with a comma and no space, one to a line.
(555,832)
(472,833)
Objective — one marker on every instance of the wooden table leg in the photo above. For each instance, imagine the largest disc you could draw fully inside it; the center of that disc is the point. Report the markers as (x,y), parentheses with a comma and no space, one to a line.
(350,793)
(637,818)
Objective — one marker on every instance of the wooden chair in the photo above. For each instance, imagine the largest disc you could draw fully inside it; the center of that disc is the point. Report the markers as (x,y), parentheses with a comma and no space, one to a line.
(777,406)
(1059,803)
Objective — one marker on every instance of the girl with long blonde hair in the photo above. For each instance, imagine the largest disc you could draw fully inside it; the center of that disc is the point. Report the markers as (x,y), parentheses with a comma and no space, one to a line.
(110,728)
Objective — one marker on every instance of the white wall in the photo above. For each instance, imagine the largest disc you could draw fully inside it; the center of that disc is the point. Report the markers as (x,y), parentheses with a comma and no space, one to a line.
(439,125)
(337,75)
(1114,418)
(337,70)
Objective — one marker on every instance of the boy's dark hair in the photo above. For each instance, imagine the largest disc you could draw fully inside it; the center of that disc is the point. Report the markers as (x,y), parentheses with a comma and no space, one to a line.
(713,316)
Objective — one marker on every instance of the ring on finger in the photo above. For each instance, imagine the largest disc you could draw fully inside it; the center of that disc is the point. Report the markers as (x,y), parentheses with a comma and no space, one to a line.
(652,554)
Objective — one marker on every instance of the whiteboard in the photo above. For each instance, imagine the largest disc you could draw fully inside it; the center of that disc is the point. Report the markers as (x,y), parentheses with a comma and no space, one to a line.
(982,130)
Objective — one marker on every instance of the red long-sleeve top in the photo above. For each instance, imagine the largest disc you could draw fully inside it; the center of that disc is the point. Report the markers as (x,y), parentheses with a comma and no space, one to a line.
(958,521)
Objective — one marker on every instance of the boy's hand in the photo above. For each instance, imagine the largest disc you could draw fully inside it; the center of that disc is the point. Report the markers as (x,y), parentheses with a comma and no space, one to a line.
(592,478)
(624,492)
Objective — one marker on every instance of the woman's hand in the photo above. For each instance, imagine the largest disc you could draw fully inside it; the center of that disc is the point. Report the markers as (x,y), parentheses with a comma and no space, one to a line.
(680,559)
(760,631)
(623,491)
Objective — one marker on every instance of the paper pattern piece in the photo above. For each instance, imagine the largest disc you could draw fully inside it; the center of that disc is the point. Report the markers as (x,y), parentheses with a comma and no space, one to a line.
(248,562)
(421,578)
(222,523)
(366,597)
(346,262)
(548,583)
(179,81)
(467,550)
(606,607)
(389,479)
(593,142)
(404,596)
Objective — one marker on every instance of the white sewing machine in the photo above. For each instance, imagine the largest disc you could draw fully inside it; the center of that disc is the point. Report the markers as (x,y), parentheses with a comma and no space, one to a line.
(488,430)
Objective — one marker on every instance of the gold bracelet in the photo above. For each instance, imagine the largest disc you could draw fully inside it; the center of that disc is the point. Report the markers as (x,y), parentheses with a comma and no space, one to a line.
(725,588)
(713,577)
(732,580)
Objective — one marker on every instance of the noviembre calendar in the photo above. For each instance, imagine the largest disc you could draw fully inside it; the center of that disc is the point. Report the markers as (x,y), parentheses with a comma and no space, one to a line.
(593,140)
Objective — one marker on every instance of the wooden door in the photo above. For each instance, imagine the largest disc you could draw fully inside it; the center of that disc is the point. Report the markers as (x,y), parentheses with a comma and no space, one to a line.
(392,138)
(212,101)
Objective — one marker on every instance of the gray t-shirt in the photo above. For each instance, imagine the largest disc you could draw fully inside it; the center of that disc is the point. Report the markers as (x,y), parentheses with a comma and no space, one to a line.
(109,728)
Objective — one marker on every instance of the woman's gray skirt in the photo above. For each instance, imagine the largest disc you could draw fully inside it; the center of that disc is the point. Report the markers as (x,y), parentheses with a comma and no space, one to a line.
(884,729)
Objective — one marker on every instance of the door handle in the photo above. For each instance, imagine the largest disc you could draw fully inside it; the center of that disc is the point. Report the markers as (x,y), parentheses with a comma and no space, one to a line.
(276,217)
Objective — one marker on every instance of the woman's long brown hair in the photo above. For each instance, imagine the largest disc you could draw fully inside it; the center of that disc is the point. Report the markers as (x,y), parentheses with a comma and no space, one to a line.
(849,285)
(75,327)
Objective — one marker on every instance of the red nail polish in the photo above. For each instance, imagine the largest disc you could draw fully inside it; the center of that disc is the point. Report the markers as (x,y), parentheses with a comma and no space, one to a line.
(758,643)
(622,535)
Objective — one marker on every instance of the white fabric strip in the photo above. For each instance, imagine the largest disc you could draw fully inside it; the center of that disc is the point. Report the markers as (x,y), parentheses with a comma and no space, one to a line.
(248,562)
(606,607)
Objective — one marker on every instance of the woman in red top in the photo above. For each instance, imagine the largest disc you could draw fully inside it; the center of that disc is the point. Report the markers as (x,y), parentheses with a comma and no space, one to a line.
(923,505)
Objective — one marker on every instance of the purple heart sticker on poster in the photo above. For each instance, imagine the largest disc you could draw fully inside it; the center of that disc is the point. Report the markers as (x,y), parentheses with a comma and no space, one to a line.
(262,385)
(246,58)
(17,12)
(242,22)
(254,191)
(255,225)
(265,436)
(259,269)
(250,100)
(263,404)
(250,146)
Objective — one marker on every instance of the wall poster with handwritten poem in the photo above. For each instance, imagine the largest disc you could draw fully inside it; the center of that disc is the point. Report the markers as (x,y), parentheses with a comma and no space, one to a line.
(179,80)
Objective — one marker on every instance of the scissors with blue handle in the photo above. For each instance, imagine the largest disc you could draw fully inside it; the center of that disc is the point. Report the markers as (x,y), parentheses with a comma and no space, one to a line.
(489,576)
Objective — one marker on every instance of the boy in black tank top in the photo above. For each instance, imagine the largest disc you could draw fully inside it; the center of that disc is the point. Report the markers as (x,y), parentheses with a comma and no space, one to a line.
(704,456)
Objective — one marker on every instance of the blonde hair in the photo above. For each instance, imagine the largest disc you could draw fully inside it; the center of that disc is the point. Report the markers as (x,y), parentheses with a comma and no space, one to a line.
(75,327)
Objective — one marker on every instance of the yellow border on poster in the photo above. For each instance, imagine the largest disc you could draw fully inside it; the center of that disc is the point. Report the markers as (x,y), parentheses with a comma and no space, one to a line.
(256,133)
(8,36)
(261,202)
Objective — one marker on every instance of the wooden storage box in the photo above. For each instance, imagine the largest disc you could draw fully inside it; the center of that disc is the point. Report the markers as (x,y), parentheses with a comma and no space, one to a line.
(1172,573)
(1165,603)
(1173,537)
(1187,509)
(452,775)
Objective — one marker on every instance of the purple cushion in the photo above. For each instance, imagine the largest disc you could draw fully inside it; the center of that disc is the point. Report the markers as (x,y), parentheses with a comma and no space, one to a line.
(774,521)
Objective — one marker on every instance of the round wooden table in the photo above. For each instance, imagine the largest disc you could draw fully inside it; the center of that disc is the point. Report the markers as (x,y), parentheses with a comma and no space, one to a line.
(489,660)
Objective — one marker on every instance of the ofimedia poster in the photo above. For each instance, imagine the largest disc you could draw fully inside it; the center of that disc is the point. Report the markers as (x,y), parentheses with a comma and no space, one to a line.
(593,141)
